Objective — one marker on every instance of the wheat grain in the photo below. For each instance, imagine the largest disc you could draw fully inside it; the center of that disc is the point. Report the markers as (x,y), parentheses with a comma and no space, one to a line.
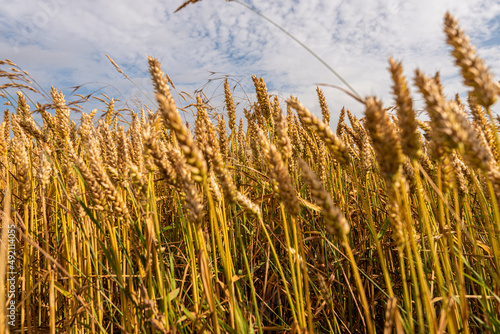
(324,107)
(221,130)
(279,175)
(231,109)
(173,121)
(474,71)
(21,162)
(98,171)
(263,99)
(283,140)
(384,138)
(410,137)
(334,144)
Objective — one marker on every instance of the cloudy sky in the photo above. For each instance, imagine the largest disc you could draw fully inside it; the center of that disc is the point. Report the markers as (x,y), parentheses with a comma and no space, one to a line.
(64,43)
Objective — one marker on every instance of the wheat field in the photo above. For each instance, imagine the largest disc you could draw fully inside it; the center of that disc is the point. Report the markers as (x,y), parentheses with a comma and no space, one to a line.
(271,223)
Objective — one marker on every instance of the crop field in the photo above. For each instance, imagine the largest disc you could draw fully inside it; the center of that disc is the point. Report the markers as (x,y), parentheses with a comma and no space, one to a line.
(275,222)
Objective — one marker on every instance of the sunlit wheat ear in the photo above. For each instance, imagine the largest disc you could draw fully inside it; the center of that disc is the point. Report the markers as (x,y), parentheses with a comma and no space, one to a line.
(472,147)
(123,153)
(152,149)
(353,149)
(92,185)
(6,130)
(48,124)
(341,123)
(3,141)
(174,122)
(44,168)
(263,99)
(230,108)
(356,124)
(25,119)
(282,135)
(214,187)
(275,109)
(480,118)
(450,127)
(409,174)
(115,200)
(255,152)
(86,127)
(357,131)
(159,79)
(334,219)
(245,202)
(17,130)
(366,155)
(297,135)
(475,73)
(23,108)
(324,107)
(109,112)
(221,130)
(410,137)
(279,174)
(294,136)
(321,166)
(308,144)
(317,145)
(384,138)
(201,118)
(21,161)
(242,144)
(61,115)
(215,157)
(256,115)
(137,152)
(444,129)
(458,169)
(228,186)
(333,143)
(447,175)
(108,145)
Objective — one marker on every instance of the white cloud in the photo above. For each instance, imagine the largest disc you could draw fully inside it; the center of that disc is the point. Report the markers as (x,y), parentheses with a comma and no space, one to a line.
(64,42)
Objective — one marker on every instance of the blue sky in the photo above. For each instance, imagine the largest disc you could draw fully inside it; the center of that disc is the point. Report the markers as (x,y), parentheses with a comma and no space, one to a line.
(64,43)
